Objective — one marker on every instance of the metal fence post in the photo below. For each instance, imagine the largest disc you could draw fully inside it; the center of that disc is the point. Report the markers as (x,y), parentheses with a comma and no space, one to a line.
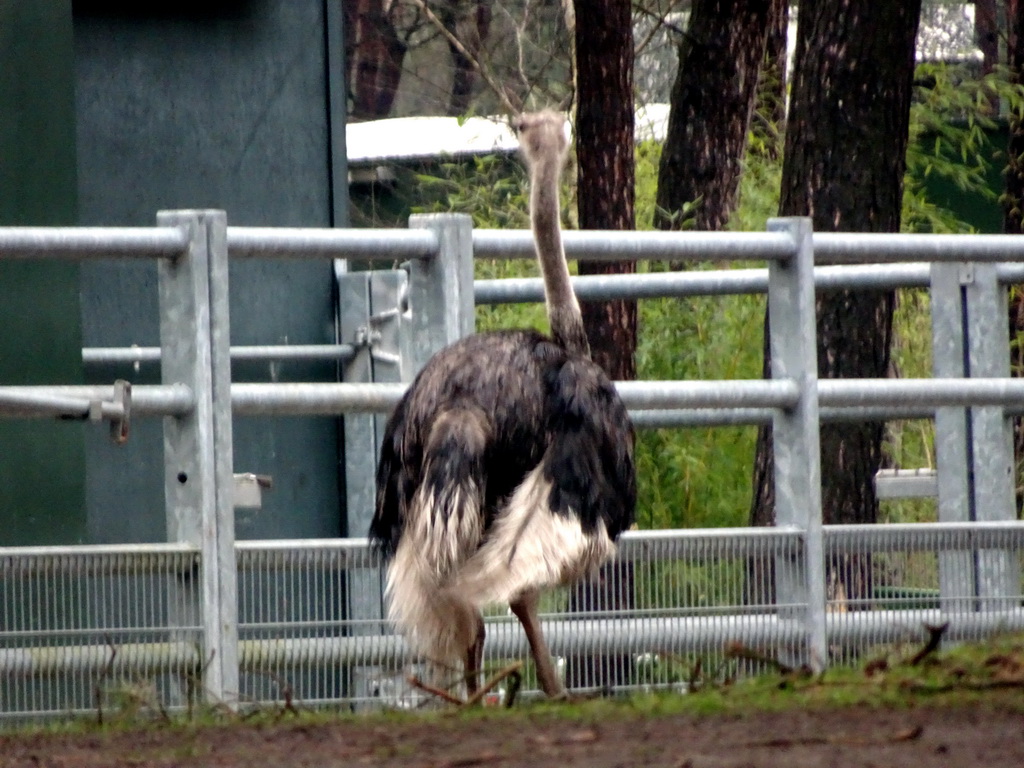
(796,444)
(369,320)
(998,572)
(956,574)
(198,482)
(441,307)
(973,446)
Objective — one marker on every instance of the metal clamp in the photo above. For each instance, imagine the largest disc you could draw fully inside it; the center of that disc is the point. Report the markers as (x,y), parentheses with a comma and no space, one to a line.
(119,424)
(249,490)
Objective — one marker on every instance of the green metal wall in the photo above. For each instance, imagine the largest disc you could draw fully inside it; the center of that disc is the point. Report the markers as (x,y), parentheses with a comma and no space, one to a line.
(41,461)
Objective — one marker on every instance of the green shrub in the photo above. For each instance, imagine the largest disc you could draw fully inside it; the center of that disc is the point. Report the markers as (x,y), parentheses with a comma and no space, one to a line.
(702,477)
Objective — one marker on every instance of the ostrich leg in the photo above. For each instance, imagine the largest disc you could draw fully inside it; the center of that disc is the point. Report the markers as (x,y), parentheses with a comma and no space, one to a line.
(525,609)
(475,658)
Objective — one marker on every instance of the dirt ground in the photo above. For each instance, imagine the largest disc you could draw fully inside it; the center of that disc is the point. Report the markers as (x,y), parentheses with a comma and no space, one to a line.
(916,737)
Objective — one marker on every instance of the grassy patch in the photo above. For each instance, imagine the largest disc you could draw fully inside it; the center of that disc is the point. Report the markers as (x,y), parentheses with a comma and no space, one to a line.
(981,674)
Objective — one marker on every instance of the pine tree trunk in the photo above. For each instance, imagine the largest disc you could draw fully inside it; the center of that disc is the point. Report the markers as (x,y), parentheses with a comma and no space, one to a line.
(986,31)
(844,162)
(604,150)
(374,57)
(470,26)
(712,100)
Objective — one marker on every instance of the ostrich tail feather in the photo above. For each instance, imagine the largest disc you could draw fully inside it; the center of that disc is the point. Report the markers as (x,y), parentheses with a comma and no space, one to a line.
(442,532)
(531,547)
(437,622)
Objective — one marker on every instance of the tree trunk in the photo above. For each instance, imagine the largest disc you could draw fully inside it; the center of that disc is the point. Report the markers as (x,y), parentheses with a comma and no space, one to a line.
(844,162)
(604,150)
(1013,219)
(986,31)
(712,100)
(471,27)
(374,57)
(605,194)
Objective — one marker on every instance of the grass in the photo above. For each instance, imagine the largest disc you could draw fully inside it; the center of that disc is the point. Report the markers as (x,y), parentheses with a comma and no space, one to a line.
(983,674)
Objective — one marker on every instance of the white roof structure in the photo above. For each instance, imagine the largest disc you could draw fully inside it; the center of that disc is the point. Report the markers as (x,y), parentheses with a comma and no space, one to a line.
(415,138)
(422,138)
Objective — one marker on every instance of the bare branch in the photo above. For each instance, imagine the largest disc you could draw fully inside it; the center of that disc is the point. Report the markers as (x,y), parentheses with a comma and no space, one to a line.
(473,60)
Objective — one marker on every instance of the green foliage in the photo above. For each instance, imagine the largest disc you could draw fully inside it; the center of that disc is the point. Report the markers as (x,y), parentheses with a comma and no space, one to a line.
(493,191)
(951,124)
(701,477)
(951,119)
(490,188)
(648,156)
(697,477)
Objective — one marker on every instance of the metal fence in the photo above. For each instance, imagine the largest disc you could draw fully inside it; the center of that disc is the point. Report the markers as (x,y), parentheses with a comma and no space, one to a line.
(204,617)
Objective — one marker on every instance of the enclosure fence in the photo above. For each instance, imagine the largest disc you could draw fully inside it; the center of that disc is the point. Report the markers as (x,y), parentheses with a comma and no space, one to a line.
(205,618)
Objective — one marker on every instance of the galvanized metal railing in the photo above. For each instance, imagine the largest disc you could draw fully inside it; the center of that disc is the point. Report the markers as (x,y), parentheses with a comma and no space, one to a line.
(246,621)
(123,624)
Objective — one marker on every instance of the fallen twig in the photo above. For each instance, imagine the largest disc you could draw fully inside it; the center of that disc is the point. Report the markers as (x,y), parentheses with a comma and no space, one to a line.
(104,673)
(440,693)
(964,685)
(935,634)
(907,734)
(509,671)
(740,651)
(468,762)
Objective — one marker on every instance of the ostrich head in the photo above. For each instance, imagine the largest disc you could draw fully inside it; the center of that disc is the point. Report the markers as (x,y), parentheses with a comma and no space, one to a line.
(541,136)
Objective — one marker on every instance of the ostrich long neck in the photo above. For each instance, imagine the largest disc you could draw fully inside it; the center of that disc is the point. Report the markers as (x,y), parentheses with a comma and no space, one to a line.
(563,308)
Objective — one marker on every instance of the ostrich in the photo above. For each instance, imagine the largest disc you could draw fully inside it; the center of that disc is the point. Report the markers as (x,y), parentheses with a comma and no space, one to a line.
(507,467)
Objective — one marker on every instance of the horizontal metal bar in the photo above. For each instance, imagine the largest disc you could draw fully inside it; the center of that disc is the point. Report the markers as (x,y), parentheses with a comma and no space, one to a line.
(858,628)
(737,542)
(1010,273)
(694,403)
(920,392)
(870,247)
(138,658)
(95,559)
(753,393)
(313,399)
(388,245)
(671,544)
(843,399)
(829,247)
(601,245)
(700,417)
(282,352)
(100,550)
(906,483)
(566,637)
(732,417)
(25,402)
(681,544)
(376,245)
(718,282)
(291,553)
(147,399)
(924,537)
(648,285)
(953,535)
(80,243)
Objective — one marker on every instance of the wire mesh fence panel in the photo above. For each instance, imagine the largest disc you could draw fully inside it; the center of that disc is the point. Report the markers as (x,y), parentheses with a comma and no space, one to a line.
(888,584)
(662,615)
(310,623)
(674,610)
(93,629)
